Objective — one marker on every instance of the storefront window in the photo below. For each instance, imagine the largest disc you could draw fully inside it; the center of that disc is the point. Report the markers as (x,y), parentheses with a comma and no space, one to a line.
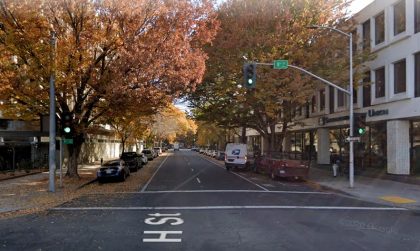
(296,140)
(378,145)
(338,141)
(415,147)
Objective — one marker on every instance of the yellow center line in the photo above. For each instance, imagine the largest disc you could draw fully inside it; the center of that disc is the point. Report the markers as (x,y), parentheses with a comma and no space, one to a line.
(397,199)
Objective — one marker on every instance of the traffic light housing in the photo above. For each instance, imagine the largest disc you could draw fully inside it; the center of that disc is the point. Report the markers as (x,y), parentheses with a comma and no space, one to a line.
(250,75)
(359,125)
(67,128)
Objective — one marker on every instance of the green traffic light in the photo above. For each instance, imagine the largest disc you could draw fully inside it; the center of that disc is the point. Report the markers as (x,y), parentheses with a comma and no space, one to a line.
(362,131)
(250,81)
(67,129)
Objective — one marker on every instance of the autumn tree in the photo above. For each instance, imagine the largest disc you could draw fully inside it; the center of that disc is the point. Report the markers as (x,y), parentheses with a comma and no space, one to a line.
(171,124)
(109,54)
(263,31)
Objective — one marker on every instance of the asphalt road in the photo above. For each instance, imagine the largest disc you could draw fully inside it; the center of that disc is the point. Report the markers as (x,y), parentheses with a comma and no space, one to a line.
(192,203)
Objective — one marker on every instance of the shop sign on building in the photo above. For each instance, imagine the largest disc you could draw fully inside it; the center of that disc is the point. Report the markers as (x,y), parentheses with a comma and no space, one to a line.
(373,112)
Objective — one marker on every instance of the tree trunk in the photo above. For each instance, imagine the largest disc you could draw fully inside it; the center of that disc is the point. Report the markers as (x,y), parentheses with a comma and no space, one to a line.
(272,141)
(74,152)
(243,135)
(123,144)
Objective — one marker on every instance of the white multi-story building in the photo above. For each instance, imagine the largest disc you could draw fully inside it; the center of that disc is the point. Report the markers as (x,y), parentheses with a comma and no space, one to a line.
(391,103)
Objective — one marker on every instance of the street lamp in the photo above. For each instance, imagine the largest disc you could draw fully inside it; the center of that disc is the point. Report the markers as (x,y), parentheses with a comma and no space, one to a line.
(350,93)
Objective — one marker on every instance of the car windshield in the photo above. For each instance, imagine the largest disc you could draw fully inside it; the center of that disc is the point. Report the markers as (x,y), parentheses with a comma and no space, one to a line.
(128,155)
(288,155)
(112,163)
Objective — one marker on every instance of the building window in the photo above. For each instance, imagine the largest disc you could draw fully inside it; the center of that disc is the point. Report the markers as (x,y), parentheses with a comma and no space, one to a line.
(417,74)
(340,98)
(331,99)
(313,104)
(399,77)
(380,28)
(380,82)
(417,15)
(322,99)
(366,34)
(366,90)
(399,17)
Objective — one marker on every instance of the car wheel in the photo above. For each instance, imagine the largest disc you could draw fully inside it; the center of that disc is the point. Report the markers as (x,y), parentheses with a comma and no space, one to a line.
(123,176)
(227,168)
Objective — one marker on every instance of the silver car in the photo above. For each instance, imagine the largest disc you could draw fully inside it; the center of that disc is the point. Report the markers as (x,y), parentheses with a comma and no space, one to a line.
(149,154)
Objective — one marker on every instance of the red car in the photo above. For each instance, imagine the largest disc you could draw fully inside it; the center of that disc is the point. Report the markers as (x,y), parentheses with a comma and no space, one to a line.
(285,165)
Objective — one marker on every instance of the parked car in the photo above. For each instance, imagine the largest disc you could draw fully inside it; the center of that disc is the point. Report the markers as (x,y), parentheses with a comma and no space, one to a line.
(202,150)
(132,160)
(158,150)
(149,154)
(114,169)
(213,153)
(238,156)
(283,165)
(220,155)
(207,152)
(176,146)
(144,159)
(155,153)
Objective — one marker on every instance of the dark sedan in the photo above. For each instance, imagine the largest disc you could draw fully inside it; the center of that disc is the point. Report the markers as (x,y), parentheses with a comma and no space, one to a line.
(133,160)
(114,169)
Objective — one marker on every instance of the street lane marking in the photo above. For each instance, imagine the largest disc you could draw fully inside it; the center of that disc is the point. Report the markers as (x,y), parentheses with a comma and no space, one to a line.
(268,185)
(148,182)
(162,236)
(250,181)
(397,199)
(192,169)
(229,207)
(198,180)
(229,191)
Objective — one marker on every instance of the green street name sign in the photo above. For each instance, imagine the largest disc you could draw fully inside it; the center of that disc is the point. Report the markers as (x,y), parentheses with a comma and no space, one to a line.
(68,141)
(281,64)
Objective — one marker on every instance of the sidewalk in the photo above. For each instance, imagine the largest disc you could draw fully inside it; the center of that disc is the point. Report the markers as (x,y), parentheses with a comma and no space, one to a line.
(372,186)
(28,192)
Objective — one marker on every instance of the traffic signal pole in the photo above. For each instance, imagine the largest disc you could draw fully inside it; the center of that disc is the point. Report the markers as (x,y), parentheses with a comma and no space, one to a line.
(52,147)
(351,107)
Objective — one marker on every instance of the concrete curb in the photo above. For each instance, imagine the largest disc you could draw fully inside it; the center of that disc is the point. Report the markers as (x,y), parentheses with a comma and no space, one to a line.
(20,176)
(328,188)
(87,183)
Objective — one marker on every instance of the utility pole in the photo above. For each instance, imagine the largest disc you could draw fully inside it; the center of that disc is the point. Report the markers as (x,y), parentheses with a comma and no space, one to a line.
(52,134)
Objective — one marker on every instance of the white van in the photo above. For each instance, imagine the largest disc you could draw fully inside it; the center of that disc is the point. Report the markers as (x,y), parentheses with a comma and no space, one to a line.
(237,155)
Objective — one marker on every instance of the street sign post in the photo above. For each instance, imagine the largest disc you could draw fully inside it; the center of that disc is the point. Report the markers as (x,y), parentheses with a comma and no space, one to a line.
(281,64)
(353,139)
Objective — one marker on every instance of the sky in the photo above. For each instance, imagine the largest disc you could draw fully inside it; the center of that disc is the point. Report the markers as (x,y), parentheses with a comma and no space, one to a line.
(356,6)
